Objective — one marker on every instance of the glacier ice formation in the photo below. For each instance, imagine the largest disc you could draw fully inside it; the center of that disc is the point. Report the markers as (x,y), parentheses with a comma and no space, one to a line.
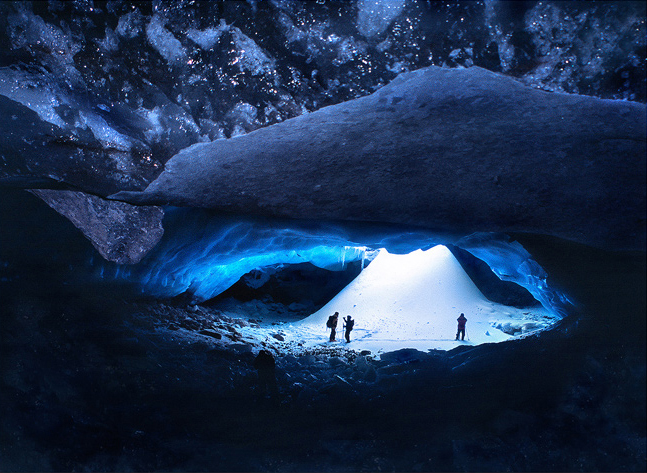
(459,150)
(96,97)
(454,150)
(81,112)
(202,254)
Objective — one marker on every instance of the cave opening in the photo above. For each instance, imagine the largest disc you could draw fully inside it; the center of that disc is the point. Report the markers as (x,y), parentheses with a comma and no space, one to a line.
(106,364)
(398,302)
(280,279)
(281,276)
(441,118)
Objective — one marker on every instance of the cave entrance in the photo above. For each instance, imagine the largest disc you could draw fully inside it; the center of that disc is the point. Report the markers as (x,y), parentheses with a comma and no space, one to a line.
(405,286)
(398,301)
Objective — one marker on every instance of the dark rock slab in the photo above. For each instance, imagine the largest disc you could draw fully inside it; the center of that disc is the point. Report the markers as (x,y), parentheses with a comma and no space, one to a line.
(121,232)
(450,149)
(405,355)
(211,333)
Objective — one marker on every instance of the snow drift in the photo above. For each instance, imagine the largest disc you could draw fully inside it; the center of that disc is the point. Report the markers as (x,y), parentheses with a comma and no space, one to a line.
(413,300)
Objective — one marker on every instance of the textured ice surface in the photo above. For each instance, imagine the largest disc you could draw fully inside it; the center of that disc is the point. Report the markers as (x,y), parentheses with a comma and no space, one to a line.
(295,57)
(204,254)
(164,42)
(34,92)
(206,257)
(130,25)
(208,37)
(41,94)
(250,56)
(511,262)
(32,31)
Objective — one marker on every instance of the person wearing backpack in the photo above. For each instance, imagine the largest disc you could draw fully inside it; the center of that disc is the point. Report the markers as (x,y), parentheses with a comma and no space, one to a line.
(332,325)
(348,325)
(461,327)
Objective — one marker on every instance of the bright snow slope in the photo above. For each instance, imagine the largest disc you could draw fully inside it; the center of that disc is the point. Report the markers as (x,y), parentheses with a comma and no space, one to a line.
(413,301)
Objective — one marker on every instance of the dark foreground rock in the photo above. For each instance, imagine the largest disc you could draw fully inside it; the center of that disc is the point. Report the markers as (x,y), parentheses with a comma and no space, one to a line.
(91,381)
(461,150)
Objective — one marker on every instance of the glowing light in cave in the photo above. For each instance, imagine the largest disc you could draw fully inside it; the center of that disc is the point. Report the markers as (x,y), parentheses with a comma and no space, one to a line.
(412,301)
(205,254)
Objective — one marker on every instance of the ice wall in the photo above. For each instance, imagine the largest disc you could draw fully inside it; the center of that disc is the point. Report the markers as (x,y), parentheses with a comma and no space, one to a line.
(511,262)
(205,254)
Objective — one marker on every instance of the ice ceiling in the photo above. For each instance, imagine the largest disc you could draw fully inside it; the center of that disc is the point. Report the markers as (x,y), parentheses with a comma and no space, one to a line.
(203,253)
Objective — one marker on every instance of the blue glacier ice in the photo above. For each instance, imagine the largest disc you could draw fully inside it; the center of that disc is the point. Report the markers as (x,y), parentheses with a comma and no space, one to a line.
(510,261)
(204,253)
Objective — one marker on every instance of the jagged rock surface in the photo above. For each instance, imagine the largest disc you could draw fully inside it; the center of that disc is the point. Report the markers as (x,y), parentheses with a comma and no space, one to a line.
(121,232)
(96,97)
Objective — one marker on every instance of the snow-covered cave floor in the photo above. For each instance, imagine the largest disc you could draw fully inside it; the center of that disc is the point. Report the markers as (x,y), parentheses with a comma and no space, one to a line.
(398,301)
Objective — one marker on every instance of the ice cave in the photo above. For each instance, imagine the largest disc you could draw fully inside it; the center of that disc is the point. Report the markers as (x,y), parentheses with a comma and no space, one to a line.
(190,189)
(405,297)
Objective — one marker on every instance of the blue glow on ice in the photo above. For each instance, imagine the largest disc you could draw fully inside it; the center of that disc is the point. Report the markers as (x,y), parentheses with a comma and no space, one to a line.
(204,253)
(511,262)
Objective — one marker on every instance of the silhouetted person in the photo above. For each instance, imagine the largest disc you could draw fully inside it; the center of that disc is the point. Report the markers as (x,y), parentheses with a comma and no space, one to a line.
(461,327)
(332,325)
(348,325)
(266,368)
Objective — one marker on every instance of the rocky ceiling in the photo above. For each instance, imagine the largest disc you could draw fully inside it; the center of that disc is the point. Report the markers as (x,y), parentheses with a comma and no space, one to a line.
(516,116)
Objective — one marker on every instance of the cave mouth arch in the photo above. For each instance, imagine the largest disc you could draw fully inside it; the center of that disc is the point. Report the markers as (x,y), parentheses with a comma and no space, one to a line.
(397,302)
(205,255)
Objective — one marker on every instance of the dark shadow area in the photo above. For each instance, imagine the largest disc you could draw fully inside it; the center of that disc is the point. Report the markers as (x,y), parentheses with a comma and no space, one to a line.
(43,253)
(89,383)
(607,287)
(38,247)
(301,289)
(495,289)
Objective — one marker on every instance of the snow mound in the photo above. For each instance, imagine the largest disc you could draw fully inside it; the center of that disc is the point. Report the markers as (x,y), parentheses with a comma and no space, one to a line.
(413,301)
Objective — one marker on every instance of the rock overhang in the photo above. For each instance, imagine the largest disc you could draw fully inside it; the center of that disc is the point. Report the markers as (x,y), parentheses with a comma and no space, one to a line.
(453,149)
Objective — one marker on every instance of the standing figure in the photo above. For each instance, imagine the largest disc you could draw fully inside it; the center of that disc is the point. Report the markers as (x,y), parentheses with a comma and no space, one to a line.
(461,327)
(332,325)
(348,325)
